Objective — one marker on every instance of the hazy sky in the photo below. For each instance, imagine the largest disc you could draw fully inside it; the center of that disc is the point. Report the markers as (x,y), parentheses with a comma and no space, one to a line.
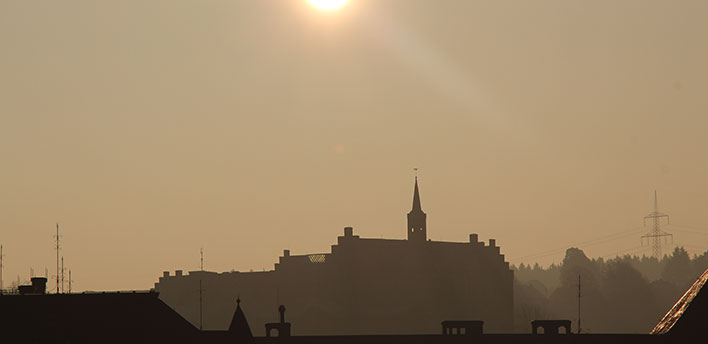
(149,129)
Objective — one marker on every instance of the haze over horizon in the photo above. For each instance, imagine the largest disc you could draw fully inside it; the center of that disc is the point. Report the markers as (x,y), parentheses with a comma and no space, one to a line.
(150,129)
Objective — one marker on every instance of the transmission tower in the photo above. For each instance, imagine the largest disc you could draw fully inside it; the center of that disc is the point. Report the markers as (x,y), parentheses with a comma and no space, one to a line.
(656,233)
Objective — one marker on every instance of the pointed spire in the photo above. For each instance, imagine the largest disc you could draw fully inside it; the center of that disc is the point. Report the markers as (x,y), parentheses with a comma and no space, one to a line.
(239,328)
(416,217)
(416,197)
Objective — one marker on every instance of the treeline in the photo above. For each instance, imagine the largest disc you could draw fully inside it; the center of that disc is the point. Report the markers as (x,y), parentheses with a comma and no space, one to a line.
(625,294)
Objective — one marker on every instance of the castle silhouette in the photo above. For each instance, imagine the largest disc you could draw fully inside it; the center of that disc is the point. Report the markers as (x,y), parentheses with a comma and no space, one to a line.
(363,286)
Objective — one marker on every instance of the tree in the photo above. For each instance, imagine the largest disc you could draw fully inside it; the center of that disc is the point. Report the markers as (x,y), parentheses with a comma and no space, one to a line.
(530,303)
(678,269)
(629,304)
(563,302)
(577,264)
(700,263)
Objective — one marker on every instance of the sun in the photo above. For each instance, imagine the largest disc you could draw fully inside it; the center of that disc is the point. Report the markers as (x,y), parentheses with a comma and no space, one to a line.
(328,5)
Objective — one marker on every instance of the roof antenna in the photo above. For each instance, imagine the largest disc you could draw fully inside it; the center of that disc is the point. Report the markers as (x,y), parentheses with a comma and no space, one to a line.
(201,323)
(579,296)
(57,248)
(201,290)
(1,256)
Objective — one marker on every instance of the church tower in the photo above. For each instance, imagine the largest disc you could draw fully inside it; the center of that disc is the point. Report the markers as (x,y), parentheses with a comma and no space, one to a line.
(416,219)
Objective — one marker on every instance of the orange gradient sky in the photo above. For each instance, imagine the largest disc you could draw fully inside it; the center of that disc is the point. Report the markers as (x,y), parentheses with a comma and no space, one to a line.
(149,129)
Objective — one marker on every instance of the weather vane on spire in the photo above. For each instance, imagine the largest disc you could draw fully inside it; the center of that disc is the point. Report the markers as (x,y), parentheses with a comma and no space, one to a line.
(415,171)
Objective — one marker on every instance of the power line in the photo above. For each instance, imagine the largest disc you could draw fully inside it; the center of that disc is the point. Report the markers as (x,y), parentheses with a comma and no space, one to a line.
(702,248)
(625,251)
(690,227)
(689,231)
(587,243)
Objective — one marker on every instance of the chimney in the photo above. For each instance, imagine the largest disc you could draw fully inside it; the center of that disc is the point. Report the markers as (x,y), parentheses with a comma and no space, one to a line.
(281,309)
(474,238)
(348,231)
(39,285)
(165,274)
(286,253)
(493,245)
(178,273)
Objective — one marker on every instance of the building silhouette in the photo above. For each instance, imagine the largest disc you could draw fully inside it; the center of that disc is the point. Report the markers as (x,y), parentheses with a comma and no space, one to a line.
(363,285)
(414,283)
(141,317)
(127,317)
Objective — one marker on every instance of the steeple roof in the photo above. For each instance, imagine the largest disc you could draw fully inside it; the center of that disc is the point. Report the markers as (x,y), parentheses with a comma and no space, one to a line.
(239,328)
(416,198)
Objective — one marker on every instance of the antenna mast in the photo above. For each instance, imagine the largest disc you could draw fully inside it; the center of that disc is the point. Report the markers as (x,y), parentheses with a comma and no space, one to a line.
(579,296)
(656,234)
(200,305)
(69,281)
(1,267)
(201,266)
(62,274)
(57,248)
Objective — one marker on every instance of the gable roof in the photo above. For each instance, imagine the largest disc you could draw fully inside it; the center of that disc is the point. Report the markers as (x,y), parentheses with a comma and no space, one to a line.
(134,317)
(687,316)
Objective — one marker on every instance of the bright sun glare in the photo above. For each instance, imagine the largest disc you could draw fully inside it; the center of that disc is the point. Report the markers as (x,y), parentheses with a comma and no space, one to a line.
(328,5)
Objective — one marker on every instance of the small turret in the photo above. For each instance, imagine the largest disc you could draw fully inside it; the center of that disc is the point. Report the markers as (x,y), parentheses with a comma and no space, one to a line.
(239,328)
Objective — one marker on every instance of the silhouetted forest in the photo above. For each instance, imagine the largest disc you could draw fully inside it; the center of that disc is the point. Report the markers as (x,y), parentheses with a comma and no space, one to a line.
(623,294)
